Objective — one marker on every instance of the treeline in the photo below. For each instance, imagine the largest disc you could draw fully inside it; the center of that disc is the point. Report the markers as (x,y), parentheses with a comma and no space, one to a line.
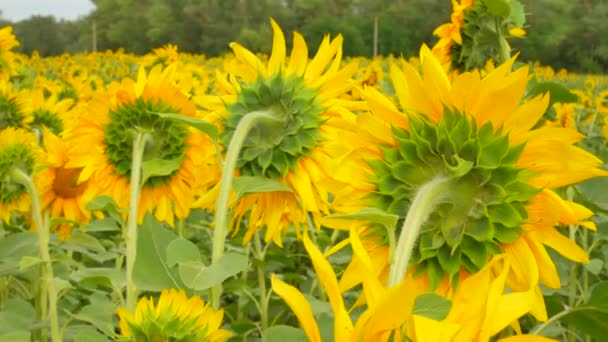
(562,33)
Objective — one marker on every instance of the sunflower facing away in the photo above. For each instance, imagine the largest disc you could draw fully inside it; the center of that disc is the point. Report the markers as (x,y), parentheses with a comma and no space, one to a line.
(8,41)
(101,145)
(47,111)
(500,175)
(388,316)
(316,131)
(175,317)
(12,113)
(18,149)
(476,33)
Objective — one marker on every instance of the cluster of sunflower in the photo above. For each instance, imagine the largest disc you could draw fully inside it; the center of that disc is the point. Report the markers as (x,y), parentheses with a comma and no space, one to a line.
(440,174)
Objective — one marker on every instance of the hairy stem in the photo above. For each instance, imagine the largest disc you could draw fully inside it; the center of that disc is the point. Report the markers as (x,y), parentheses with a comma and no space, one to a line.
(221,206)
(47,294)
(139,145)
(259,255)
(420,209)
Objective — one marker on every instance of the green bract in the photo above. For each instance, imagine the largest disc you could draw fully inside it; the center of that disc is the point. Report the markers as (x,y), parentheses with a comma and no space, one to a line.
(43,117)
(10,157)
(484,204)
(167,137)
(10,113)
(272,148)
(167,327)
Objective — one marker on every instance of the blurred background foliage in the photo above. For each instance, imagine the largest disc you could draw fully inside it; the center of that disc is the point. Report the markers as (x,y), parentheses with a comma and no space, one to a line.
(561,33)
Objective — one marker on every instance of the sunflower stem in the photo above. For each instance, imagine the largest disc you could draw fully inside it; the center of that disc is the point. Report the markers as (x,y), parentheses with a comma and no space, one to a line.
(47,295)
(422,206)
(539,329)
(139,145)
(240,312)
(572,282)
(259,255)
(221,206)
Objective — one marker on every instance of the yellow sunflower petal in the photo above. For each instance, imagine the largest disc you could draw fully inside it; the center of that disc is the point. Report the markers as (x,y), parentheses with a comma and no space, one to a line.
(300,307)
(343,325)
(277,57)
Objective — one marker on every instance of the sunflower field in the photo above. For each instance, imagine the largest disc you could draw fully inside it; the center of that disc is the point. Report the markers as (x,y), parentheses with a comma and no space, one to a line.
(458,195)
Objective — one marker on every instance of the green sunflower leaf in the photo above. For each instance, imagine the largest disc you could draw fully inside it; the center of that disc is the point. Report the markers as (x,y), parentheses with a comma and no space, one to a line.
(206,127)
(498,8)
(182,250)
(28,261)
(151,272)
(518,15)
(559,93)
(102,276)
(99,312)
(282,333)
(18,315)
(432,306)
(102,203)
(590,318)
(90,335)
(159,167)
(200,277)
(371,215)
(244,185)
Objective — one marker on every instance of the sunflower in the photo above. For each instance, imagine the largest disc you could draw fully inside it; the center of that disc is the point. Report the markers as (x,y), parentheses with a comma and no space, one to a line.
(59,189)
(565,115)
(313,131)
(389,316)
(8,41)
(476,33)
(102,150)
(495,175)
(12,113)
(18,149)
(174,317)
(47,111)
(450,33)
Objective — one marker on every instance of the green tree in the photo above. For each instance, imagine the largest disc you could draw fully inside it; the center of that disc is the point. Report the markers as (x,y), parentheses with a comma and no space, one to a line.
(41,33)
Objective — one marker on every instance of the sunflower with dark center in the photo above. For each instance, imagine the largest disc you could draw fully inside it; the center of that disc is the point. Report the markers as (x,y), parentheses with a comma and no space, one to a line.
(312,134)
(60,191)
(501,172)
(18,149)
(102,145)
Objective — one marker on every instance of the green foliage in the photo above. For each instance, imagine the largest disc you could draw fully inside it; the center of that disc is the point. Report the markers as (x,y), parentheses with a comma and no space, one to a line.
(281,333)
(244,185)
(432,306)
(152,272)
(558,92)
(561,33)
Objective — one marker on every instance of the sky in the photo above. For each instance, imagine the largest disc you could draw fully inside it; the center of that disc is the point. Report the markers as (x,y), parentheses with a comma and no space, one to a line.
(15,10)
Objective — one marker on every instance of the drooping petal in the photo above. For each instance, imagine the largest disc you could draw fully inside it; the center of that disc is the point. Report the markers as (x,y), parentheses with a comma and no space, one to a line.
(300,307)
